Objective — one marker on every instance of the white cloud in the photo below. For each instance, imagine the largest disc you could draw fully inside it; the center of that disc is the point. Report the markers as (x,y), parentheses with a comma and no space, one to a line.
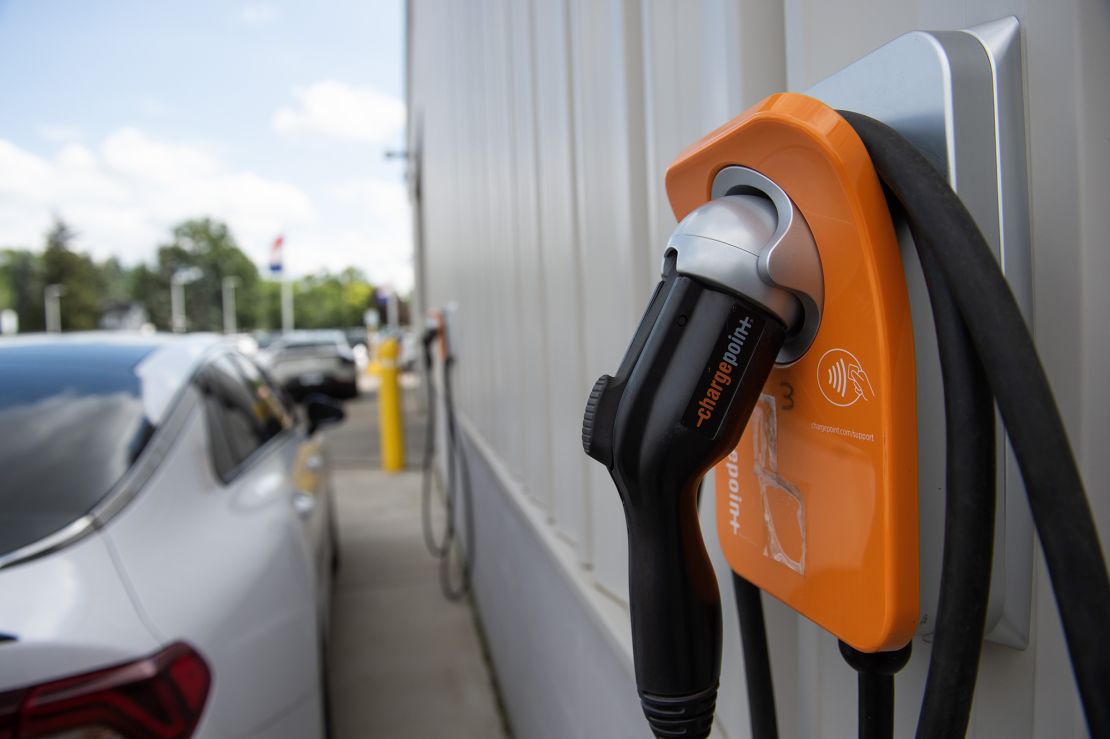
(132,153)
(123,196)
(386,258)
(77,157)
(258,14)
(332,108)
(22,172)
(382,248)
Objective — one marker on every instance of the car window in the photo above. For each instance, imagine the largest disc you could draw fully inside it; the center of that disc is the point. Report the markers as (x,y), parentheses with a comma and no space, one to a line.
(241,418)
(275,404)
(72,423)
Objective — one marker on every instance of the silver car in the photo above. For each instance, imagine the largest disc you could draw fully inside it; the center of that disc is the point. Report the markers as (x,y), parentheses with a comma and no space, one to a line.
(305,362)
(166,542)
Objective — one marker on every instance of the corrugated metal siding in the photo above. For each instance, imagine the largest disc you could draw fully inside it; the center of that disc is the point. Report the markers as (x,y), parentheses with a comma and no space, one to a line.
(547,125)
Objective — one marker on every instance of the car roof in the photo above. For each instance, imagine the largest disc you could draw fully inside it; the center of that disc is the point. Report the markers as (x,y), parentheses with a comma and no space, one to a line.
(311,336)
(163,362)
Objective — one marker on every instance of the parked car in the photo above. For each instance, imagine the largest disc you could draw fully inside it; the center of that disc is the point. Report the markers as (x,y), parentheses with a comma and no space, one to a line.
(166,542)
(307,362)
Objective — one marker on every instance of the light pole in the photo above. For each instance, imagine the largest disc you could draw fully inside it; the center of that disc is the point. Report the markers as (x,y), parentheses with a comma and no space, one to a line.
(286,305)
(50,295)
(180,279)
(229,285)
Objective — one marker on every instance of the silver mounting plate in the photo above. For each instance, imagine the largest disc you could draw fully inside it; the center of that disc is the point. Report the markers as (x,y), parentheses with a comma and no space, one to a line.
(958,96)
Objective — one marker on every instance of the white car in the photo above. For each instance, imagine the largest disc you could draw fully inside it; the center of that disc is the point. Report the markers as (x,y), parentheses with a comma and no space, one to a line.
(166,543)
(313,362)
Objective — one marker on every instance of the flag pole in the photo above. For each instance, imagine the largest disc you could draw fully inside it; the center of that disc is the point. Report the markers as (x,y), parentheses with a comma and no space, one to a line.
(277,267)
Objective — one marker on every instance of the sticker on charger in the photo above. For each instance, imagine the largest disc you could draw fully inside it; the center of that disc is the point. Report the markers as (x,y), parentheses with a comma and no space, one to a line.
(725,371)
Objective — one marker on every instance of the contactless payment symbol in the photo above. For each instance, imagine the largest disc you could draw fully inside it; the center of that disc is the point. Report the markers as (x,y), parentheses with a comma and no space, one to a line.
(842,379)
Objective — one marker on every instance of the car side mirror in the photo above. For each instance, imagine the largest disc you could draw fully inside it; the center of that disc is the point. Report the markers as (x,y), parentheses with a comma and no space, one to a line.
(322,411)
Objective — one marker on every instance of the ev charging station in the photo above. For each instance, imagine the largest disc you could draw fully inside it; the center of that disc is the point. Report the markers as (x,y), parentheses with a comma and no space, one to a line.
(958,97)
(820,402)
(788,271)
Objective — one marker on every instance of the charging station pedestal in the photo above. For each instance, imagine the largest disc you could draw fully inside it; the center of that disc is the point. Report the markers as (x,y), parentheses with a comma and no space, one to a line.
(816,504)
(958,97)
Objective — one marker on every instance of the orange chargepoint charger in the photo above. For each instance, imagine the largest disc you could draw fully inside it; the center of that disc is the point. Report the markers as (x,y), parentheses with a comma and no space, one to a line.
(817,504)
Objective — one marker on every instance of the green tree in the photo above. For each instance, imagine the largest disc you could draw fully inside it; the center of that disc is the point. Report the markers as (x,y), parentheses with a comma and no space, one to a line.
(21,287)
(322,300)
(209,246)
(116,280)
(270,305)
(146,286)
(83,296)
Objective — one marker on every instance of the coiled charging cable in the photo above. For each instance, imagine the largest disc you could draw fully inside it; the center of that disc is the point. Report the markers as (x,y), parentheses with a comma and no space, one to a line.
(942,226)
(969,532)
(437,548)
(458,480)
(986,351)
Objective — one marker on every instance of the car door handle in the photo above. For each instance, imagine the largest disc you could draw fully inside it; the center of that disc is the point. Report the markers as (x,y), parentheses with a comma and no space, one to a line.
(304,503)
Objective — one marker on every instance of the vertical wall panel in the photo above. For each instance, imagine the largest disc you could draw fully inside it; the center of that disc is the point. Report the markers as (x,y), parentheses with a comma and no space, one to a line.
(466,326)
(671,101)
(611,236)
(503,210)
(530,293)
(557,222)
(704,63)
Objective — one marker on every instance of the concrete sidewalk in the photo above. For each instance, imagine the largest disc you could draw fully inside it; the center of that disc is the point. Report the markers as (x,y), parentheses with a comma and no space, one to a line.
(404,662)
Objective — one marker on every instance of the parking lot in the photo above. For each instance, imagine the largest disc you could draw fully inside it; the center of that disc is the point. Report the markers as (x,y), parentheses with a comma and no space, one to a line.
(403,661)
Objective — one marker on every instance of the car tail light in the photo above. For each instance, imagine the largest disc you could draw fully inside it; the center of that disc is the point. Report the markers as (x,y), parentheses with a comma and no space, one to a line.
(158,697)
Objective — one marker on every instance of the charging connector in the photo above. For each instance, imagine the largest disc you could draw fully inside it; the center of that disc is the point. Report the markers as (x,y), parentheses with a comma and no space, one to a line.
(676,405)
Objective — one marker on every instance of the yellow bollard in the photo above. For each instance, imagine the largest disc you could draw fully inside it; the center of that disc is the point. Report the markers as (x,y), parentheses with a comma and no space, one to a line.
(390,421)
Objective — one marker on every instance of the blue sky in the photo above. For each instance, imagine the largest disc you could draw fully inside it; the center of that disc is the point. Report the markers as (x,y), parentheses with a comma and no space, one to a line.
(125,117)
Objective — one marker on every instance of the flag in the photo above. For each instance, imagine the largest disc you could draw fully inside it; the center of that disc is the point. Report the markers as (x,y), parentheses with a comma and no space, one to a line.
(276,256)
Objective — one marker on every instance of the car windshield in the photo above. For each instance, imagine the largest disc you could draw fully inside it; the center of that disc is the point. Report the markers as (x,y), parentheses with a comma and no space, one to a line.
(311,344)
(71,424)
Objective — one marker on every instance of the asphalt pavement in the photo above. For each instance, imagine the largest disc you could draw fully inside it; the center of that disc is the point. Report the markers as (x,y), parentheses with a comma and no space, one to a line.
(403,661)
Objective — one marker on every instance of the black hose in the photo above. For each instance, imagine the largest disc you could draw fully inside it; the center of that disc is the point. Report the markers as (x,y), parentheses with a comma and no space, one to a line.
(1053,485)
(456,457)
(435,547)
(757,660)
(876,705)
(456,463)
(968,549)
(876,672)
(968,519)
(969,510)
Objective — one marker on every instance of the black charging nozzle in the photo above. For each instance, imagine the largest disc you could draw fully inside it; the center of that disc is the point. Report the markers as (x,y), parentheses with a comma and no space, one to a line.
(678,404)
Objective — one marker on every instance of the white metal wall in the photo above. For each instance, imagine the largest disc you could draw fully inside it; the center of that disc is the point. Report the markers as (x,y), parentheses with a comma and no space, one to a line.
(546,128)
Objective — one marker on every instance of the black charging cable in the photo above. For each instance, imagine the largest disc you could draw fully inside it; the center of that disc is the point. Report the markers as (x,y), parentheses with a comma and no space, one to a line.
(961,612)
(458,479)
(757,659)
(966,568)
(876,672)
(941,225)
(436,547)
